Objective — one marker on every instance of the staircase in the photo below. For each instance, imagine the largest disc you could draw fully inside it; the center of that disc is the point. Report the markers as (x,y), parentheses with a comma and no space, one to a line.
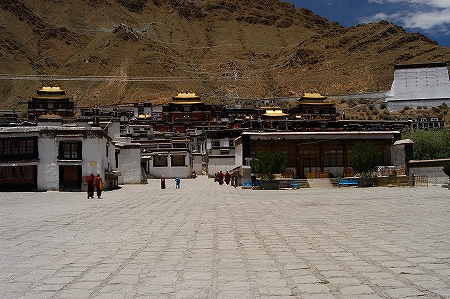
(335,182)
(303,183)
(324,183)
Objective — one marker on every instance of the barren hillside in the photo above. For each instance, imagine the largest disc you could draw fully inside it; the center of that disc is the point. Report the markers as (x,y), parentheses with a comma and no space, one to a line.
(121,51)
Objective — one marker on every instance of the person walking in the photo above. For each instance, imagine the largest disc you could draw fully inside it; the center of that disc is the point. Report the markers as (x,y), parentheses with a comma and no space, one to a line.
(220,177)
(177,182)
(227,178)
(163,182)
(90,186)
(99,185)
(253,177)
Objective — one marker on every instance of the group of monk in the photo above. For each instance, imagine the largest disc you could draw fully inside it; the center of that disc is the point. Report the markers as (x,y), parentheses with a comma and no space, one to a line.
(221,177)
(94,182)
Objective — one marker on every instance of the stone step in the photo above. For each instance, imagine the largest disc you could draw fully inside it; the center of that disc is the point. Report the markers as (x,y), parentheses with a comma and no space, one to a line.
(320,183)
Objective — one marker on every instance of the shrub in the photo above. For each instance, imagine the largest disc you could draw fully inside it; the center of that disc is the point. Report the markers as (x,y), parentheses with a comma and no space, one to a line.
(269,163)
(364,157)
(430,144)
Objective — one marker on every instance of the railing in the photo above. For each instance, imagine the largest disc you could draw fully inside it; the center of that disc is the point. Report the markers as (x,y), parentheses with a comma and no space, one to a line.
(421,181)
(317,174)
(403,181)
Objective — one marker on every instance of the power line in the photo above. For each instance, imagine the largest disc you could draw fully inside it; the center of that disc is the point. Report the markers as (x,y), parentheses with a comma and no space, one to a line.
(367,17)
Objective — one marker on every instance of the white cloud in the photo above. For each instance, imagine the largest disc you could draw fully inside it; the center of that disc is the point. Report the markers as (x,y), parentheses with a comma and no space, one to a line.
(427,15)
(429,3)
(427,20)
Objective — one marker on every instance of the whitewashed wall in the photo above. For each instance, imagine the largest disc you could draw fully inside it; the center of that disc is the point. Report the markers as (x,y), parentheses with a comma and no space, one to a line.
(420,83)
(217,164)
(414,87)
(94,157)
(48,170)
(170,171)
(130,165)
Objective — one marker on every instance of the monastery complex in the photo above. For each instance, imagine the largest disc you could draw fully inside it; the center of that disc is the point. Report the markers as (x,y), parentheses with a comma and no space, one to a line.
(59,145)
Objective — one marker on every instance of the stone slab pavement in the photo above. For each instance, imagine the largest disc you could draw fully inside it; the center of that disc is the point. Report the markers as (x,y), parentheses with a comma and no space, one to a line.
(211,241)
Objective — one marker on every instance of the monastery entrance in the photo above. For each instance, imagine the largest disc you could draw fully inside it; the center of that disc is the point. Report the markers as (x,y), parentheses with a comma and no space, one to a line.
(308,158)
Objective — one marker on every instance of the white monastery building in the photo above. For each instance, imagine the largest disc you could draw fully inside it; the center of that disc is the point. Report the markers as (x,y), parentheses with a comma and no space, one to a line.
(419,85)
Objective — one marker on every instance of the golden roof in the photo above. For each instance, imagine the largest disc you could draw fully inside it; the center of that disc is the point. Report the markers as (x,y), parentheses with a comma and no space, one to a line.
(274,112)
(307,95)
(51,89)
(185,95)
(186,98)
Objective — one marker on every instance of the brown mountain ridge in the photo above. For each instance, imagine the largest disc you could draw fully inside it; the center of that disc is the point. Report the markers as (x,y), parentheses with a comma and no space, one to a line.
(120,51)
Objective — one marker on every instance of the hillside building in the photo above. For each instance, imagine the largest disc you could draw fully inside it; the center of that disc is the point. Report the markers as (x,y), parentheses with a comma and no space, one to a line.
(127,143)
(50,100)
(419,85)
(427,123)
(313,107)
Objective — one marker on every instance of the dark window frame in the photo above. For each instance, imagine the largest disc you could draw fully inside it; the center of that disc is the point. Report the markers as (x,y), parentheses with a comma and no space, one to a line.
(178,160)
(160,160)
(18,148)
(70,150)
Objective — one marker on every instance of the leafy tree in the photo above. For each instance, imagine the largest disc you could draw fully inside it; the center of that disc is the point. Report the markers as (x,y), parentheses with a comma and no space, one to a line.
(364,157)
(430,144)
(269,162)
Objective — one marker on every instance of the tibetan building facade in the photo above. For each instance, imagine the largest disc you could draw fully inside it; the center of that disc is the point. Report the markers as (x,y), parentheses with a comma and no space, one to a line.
(309,153)
(50,100)
(39,158)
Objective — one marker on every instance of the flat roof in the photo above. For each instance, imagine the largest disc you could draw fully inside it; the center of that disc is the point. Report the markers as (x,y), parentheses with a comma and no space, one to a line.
(323,135)
(34,129)
(420,65)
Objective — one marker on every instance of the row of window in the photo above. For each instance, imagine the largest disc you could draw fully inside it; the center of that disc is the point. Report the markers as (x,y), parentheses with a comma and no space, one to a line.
(175,160)
(332,156)
(16,173)
(16,146)
(50,106)
(216,143)
(26,148)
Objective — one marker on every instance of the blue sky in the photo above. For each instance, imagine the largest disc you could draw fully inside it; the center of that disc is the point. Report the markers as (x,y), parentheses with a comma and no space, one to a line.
(429,17)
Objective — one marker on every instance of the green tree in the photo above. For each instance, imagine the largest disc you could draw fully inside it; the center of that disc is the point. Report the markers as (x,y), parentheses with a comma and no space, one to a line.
(269,162)
(430,144)
(364,157)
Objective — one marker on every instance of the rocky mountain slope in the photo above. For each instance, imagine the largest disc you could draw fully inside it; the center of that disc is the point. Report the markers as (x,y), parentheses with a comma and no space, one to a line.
(124,51)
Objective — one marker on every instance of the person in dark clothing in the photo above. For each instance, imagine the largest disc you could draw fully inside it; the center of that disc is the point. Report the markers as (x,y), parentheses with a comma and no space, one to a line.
(253,177)
(90,185)
(163,182)
(98,185)
(220,177)
(227,178)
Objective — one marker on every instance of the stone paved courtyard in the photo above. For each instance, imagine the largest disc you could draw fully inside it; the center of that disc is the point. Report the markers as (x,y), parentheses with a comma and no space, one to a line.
(211,241)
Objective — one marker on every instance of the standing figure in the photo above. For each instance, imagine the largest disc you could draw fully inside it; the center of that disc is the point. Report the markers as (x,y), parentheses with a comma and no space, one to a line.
(99,185)
(90,185)
(177,182)
(220,177)
(163,182)
(227,178)
(253,177)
